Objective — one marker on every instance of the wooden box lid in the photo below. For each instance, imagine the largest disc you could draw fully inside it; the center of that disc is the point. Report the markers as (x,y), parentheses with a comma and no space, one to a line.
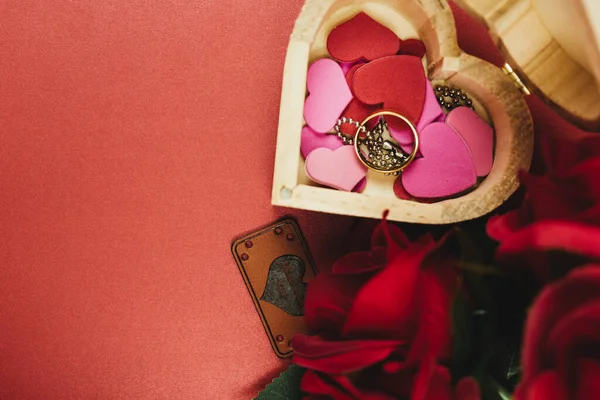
(553,46)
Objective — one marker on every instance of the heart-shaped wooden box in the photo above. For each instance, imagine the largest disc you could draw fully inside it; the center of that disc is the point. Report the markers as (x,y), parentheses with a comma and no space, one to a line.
(517,26)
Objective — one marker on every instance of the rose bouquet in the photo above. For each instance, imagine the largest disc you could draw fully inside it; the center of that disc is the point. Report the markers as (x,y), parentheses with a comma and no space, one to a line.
(504,307)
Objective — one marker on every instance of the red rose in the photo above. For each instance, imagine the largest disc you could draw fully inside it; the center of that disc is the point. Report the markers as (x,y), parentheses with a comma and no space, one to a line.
(383,322)
(561,211)
(561,349)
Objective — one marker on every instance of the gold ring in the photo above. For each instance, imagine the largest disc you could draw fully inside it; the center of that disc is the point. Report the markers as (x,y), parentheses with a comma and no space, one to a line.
(383,155)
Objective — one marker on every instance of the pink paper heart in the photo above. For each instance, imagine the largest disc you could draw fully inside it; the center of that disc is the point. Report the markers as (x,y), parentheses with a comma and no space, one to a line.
(446,167)
(329,95)
(478,135)
(401,193)
(311,140)
(338,168)
(409,147)
(431,111)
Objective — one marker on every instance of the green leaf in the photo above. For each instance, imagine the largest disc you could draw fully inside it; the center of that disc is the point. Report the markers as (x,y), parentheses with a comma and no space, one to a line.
(285,387)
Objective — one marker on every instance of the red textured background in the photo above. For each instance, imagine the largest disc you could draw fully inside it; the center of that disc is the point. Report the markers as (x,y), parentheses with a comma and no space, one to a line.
(136,141)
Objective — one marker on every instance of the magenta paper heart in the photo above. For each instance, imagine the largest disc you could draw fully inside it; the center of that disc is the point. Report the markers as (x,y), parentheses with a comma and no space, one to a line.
(329,95)
(431,112)
(441,118)
(312,140)
(446,167)
(478,135)
(338,168)
(347,66)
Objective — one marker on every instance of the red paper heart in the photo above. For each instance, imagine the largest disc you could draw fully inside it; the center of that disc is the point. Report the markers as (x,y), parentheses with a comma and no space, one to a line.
(396,81)
(351,72)
(399,190)
(360,186)
(358,112)
(412,47)
(362,38)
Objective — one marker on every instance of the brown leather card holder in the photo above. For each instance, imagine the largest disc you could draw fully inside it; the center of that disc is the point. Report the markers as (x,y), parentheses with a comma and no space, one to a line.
(276,266)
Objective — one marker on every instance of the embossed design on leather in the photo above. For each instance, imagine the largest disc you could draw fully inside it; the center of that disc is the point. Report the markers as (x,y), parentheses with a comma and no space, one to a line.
(284,287)
(276,267)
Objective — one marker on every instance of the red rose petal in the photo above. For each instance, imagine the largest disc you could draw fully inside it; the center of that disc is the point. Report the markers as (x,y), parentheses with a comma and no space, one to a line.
(393,367)
(386,234)
(440,388)
(384,306)
(340,357)
(565,194)
(588,379)
(387,242)
(559,153)
(422,379)
(319,347)
(434,330)
(555,301)
(329,299)
(539,238)
(432,382)
(591,215)
(467,389)
(499,227)
(379,256)
(574,336)
(355,263)
(542,193)
(584,178)
(315,384)
(546,386)
(562,153)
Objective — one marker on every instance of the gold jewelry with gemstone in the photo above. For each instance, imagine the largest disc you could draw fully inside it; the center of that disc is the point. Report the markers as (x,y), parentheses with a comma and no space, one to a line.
(378,152)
